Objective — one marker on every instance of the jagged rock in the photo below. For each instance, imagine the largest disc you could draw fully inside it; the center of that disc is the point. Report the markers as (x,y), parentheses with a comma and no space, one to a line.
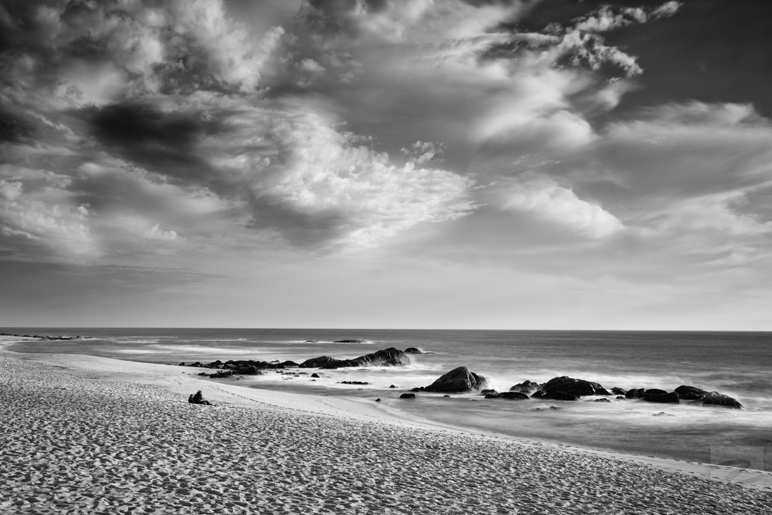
(635,393)
(662,398)
(382,358)
(526,386)
(407,396)
(198,398)
(568,388)
(618,391)
(601,400)
(457,380)
(514,396)
(719,399)
(690,393)
(413,350)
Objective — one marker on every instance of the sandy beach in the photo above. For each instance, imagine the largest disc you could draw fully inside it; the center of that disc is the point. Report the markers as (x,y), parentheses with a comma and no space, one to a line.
(83,434)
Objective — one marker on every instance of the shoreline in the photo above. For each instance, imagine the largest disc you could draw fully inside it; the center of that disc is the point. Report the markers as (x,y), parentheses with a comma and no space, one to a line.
(182,381)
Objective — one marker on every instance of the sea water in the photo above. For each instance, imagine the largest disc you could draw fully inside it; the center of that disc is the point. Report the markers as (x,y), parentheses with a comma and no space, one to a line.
(734,363)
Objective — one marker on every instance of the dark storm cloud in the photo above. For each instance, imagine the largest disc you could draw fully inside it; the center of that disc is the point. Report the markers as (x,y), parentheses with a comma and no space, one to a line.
(164,142)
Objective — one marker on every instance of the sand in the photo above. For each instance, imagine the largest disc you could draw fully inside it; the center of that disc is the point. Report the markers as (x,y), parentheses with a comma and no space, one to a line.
(81,434)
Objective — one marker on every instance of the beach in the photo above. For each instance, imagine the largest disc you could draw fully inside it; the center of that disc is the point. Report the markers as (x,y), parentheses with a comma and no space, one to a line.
(85,434)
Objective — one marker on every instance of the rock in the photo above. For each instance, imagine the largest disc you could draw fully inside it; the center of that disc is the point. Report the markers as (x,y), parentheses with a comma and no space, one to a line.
(348,341)
(601,400)
(315,375)
(182,364)
(635,393)
(198,398)
(354,382)
(407,396)
(719,399)
(378,399)
(568,388)
(526,386)
(621,397)
(690,393)
(653,392)
(662,398)
(383,358)
(538,395)
(514,396)
(493,395)
(248,371)
(392,386)
(222,374)
(416,389)
(446,395)
(487,391)
(618,391)
(413,350)
(457,380)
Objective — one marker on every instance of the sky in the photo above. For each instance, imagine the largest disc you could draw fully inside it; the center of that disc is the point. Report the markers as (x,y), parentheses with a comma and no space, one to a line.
(453,164)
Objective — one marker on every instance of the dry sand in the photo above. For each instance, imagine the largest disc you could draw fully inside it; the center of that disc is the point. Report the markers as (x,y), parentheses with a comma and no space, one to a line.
(81,434)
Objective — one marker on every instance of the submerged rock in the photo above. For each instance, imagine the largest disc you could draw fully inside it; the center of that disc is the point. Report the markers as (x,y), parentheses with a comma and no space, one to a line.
(514,396)
(457,380)
(414,350)
(407,396)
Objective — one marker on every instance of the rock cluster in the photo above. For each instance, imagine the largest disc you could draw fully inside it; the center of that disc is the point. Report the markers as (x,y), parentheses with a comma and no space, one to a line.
(383,358)
(42,337)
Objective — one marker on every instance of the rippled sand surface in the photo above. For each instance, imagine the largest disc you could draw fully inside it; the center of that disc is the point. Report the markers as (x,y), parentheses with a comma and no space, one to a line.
(91,435)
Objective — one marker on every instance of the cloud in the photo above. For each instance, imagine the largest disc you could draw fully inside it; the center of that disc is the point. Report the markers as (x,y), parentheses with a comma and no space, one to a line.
(542,198)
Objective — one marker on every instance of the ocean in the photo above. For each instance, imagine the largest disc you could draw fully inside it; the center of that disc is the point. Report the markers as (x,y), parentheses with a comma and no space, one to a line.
(734,363)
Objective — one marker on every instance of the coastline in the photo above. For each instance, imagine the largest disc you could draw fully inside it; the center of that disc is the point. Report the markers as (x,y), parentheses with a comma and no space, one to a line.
(393,447)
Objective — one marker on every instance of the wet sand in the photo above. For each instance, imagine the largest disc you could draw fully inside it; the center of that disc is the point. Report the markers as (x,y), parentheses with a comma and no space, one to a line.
(82,434)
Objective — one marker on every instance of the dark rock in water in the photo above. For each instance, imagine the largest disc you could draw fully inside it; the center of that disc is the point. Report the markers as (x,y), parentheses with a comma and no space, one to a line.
(413,350)
(487,391)
(622,397)
(383,358)
(719,399)
(416,389)
(525,387)
(315,375)
(568,388)
(690,393)
(392,386)
(662,398)
(222,374)
(493,395)
(563,396)
(348,341)
(289,364)
(354,382)
(538,395)
(198,398)
(618,391)
(248,371)
(446,395)
(654,391)
(601,400)
(514,396)
(407,396)
(458,380)
(635,393)
(182,364)
(378,399)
